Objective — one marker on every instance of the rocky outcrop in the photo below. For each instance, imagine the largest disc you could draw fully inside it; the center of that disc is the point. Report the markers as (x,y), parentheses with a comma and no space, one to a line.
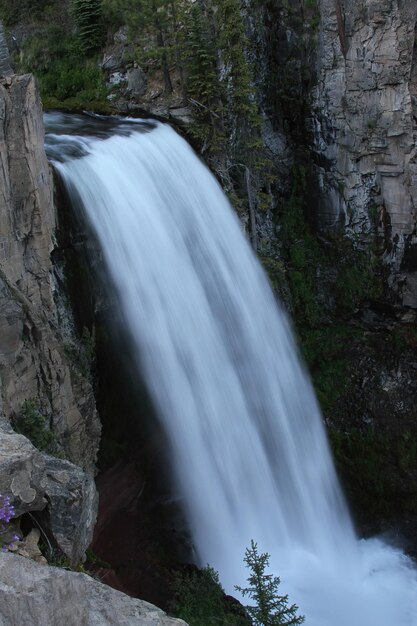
(34,365)
(22,471)
(134,90)
(39,482)
(36,595)
(72,507)
(364,129)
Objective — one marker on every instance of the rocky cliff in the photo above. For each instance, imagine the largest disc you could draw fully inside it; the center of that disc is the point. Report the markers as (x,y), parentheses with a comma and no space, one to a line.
(41,393)
(364,130)
(34,365)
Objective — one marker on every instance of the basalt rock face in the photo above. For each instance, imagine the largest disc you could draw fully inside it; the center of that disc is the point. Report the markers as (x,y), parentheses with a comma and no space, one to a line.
(34,365)
(364,127)
(337,83)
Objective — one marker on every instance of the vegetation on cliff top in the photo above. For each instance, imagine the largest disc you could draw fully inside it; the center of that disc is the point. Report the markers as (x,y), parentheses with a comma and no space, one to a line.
(200,599)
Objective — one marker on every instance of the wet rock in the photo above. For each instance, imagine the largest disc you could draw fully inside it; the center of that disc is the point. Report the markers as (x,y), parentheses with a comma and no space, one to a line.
(35,595)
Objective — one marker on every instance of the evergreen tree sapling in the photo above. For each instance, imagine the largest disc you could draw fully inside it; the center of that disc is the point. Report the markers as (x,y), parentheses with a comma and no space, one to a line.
(270,609)
(87,15)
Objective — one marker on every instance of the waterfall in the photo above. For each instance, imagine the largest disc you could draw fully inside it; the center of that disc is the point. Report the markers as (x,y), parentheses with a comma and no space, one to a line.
(248,448)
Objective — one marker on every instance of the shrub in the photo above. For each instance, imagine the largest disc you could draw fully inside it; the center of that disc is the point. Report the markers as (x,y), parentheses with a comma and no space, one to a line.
(63,73)
(88,16)
(12,12)
(32,424)
(201,601)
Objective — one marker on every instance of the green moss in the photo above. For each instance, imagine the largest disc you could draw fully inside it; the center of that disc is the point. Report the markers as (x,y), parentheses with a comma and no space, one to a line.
(276,272)
(324,350)
(30,422)
(358,278)
(360,455)
(301,252)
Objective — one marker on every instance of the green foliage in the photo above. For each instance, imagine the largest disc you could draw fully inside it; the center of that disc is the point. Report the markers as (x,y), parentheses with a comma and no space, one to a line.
(82,354)
(153,28)
(93,559)
(324,350)
(32,424)
(12,11)
(200,74)
(302,252)
(276,272)
(242,117)
(199,54)
(270,609)
(371,461)
(352,275)
(361,455)
(64,75)
(234,43)
(357,278)
(200,599)
(88,17)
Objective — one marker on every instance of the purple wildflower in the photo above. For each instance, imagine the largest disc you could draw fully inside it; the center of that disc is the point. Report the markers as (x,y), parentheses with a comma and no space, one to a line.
(6,513)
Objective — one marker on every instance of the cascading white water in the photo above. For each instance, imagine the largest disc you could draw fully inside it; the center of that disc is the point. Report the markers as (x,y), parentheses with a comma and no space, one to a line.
(248,447)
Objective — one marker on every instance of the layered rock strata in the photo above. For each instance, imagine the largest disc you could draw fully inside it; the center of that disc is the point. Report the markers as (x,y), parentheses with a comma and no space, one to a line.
(364,124)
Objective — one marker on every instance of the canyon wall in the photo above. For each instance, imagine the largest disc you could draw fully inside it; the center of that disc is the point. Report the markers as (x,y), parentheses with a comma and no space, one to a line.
(364,130)
(35,363)
(42,394)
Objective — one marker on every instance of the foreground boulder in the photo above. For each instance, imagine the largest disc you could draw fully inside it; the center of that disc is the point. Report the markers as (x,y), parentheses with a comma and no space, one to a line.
(72,507)
(35,481)
(22,471)
(39,595)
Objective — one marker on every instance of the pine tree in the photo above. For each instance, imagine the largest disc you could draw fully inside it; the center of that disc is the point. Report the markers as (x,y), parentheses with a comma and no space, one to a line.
(270,609)
(87,15)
